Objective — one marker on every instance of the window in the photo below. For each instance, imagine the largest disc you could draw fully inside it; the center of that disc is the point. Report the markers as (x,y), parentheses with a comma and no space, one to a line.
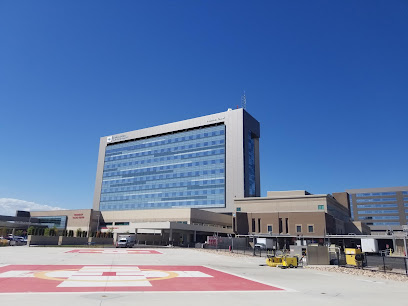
(378,218)
(310,228)
(253,225)
(287,225)
(280,225)
(108,223)
(298,228)
(238,208)
(376,205)
(388,211)
(121,223)
(251,165)
(377,200)
(269,228)
(320,207)
(375,194)
(259,226)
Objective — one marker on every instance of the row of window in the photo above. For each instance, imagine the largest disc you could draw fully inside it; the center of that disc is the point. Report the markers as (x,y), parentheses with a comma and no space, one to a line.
(116,223)
(152,161)
(164,196)
(167,139)
(192,147)
(378,218)
(377,205)
(390,211)
(310,228)
(375,194)
(351,207)
(298,227)
(377,200)
(159,205)
(160,168)
(116,182)
(178,150)
(210,183)
(158,161)
(134,156)
(251,165)
(60,222)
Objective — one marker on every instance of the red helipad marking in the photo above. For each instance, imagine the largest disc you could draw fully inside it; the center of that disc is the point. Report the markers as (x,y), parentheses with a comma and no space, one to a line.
(114,251)
(74,278)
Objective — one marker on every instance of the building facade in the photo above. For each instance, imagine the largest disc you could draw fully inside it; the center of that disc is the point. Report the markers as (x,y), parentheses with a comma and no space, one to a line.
(84,219)
(294,213)
(204,162)
(383,209)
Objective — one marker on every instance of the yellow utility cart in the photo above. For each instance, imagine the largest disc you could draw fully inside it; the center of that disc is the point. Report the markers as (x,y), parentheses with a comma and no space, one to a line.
(354,257)
(282,261)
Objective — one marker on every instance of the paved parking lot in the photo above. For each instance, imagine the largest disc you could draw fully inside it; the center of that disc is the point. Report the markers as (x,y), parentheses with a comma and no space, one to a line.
(67,276)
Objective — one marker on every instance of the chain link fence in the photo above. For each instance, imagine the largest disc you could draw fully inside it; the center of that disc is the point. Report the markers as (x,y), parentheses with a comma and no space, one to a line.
(373,262)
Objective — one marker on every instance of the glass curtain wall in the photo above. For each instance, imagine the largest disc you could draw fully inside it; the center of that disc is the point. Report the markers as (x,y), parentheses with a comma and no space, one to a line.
(183,169)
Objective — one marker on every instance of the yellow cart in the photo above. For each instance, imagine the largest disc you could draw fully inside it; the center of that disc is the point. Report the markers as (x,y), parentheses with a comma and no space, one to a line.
(282,261)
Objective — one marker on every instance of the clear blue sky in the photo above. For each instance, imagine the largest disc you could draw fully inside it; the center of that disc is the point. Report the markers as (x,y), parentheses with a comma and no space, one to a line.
(328,81)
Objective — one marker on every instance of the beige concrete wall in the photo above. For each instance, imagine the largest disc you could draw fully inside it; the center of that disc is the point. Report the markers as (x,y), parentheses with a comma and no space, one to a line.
(303,204)
(72,240)
(342,198)
(95,240)
(358,227)
(317,219)
(207,217)
(42,240)
(286,193)
(192,215)
(149,215)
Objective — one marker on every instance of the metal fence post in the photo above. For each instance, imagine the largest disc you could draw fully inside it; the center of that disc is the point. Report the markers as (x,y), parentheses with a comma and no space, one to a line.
(383,263)
(338,258)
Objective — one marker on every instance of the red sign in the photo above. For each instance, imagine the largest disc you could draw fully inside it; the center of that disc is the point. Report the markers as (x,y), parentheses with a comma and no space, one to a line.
(80,278)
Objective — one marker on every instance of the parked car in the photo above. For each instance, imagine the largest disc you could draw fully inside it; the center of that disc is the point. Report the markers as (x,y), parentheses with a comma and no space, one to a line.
(124,243)
(262,246)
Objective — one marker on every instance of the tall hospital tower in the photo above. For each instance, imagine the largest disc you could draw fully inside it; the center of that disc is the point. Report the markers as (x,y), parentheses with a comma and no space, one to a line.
(205,163)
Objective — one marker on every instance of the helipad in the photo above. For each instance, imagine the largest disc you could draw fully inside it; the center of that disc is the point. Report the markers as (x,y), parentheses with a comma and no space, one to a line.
(95,278)
(102,277)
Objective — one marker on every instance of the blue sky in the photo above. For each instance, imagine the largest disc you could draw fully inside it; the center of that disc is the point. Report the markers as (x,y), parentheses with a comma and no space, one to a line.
(327,81)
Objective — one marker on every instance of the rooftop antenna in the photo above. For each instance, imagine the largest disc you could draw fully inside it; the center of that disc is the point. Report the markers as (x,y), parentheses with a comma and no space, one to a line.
(243,101)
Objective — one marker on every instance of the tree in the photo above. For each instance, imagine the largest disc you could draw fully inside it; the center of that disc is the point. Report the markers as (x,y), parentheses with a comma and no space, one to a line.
(47,231)
(3,231)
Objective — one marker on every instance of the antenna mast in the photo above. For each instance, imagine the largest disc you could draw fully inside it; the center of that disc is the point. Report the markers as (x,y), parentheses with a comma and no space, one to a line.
(243,101)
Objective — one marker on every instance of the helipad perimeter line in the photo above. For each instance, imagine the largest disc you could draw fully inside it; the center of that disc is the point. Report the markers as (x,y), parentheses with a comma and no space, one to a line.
(254,280)
(145,292)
